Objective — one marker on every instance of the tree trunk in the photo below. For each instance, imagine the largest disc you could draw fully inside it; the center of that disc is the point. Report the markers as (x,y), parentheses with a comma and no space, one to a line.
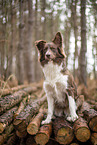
(74,23)
(67,39)
(37,68)
(10,55)
(43,16)
(20,60)
(29,39)
(82,57)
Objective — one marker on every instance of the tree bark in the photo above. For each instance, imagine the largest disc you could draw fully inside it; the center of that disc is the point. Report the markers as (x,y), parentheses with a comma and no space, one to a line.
(6,119)
(44,134)
(12,139)
(91,116)
(28,63)
(43,15)
(34,124)
(22,120)
(20,60)
(21,107)
(74,23)
(63,131)
(4,136)
(82,57)
(81,130)
(9,101)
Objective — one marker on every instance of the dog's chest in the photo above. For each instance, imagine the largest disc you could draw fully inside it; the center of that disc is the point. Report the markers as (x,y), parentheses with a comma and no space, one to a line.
(53,75)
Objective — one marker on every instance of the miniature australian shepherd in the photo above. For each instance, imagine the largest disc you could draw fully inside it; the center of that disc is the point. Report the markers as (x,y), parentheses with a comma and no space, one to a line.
(59,84)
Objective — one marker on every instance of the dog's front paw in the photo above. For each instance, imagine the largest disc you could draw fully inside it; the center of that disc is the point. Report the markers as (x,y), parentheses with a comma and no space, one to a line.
(47,121)
(72,118)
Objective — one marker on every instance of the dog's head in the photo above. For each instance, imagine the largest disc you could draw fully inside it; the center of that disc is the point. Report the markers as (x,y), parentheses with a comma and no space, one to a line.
(52,51)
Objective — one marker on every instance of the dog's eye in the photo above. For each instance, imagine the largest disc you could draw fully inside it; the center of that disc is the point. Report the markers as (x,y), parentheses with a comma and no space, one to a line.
(53,49)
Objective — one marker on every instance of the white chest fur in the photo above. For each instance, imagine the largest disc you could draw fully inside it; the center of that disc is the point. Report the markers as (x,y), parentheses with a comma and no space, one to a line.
(52,73)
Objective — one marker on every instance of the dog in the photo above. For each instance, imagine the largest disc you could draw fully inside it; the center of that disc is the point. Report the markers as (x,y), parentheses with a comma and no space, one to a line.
(59,84)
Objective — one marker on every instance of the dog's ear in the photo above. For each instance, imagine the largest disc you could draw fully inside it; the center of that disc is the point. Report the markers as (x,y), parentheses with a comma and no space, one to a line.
(40,44)
(58,39)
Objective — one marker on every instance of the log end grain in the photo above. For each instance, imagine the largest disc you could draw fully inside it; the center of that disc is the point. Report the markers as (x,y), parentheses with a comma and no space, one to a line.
(93,124)
(65,135)
(32,128)
(81,130)
(82,134)
(21,134)
(94,138)
(41,138)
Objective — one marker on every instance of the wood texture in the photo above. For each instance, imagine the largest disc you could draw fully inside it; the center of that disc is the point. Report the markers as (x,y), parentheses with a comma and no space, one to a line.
(63,131)
(34,125)
(9,101)
(81,130)
(5,135)
(94,138)
(22,120)
(6,118)
(91,116)
(43,136)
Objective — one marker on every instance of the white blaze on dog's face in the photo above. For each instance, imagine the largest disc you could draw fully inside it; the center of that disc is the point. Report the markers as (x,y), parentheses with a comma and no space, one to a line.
(51,51)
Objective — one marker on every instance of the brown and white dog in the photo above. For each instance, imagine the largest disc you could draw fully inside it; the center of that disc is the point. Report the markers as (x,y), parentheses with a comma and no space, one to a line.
(59,84)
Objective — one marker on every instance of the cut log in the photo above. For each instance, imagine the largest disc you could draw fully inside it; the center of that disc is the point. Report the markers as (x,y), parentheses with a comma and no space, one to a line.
(63,131)
(94,138)
(43,136)
(91,117)
(5,135)
(30,141)
(22,120)
(4,92)
(12,139)
(21,134)
(21,107)
(81,130)
(6,118)
(34,125)
(8,102)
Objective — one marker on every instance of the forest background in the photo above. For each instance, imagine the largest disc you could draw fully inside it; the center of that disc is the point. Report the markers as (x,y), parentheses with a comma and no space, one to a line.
(22,22)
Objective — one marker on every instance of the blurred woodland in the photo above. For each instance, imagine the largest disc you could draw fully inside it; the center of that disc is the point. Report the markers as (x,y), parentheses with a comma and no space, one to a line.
(22,22)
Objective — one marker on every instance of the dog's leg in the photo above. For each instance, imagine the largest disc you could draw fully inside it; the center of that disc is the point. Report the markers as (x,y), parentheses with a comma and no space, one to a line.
(72,108)
(49,92)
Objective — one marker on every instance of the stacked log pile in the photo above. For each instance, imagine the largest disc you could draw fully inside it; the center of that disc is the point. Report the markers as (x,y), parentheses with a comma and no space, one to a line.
(23,108)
